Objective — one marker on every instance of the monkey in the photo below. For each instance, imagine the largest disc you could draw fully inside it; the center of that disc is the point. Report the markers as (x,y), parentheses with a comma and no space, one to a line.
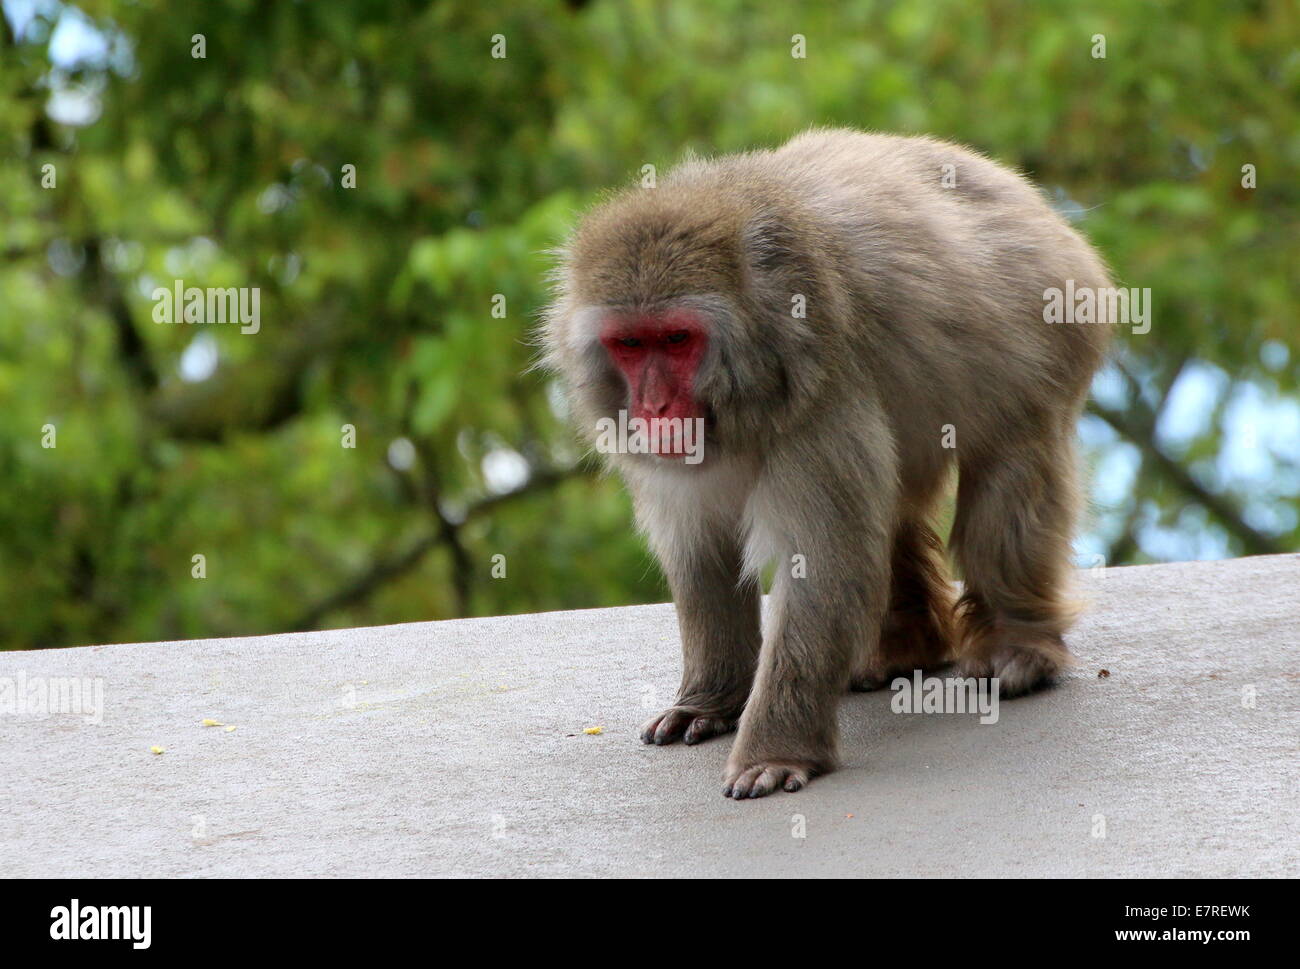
(849,318)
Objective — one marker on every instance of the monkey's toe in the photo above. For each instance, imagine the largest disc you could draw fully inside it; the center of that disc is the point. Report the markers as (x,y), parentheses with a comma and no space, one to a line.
(761,780)
(686,724)
(911,640)
(702,728)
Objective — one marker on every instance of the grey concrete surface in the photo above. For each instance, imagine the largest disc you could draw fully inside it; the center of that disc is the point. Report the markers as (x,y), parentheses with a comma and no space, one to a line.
(457,748)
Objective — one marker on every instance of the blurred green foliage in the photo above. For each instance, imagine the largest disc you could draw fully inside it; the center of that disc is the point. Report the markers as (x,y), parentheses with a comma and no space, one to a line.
(376,301)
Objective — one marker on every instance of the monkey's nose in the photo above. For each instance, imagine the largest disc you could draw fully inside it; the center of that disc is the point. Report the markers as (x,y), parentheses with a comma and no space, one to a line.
(656,407)
(657,396)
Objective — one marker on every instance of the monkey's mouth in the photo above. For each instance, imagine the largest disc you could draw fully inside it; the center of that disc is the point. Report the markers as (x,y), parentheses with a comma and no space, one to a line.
(681,439)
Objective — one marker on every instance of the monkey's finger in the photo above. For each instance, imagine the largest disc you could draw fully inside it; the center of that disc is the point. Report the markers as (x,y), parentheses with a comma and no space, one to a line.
(790,778)
(666,727)
(648,730)
(743,786)
(650,726)
(702,728)
(767,782)
(672,726)
(764,779)
(740,785)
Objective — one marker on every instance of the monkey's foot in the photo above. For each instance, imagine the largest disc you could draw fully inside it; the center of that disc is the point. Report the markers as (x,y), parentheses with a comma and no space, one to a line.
(689,724)
(1020,667)
(761,779)
(911,640)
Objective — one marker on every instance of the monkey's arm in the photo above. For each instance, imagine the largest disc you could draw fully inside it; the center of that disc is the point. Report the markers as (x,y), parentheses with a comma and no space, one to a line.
(718,615)
(834,505)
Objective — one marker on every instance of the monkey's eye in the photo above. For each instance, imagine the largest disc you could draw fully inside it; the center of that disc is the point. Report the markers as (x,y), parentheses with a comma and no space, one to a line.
(681,336)
(630,341)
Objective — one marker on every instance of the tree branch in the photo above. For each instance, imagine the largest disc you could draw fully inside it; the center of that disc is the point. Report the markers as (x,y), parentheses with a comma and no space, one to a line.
(386,570)
(448,531)
(102,287)
(1254,541)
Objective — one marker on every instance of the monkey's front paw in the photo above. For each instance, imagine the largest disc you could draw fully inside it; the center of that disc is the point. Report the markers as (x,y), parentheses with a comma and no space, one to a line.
(761,779)
(689,724)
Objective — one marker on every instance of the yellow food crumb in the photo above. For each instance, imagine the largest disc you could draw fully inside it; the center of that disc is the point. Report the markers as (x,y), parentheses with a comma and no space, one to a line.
(230,728)
(155,750)
(212,723)
(593,730)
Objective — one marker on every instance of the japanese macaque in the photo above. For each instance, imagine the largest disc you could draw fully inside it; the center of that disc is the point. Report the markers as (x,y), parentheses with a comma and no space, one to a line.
(847,318)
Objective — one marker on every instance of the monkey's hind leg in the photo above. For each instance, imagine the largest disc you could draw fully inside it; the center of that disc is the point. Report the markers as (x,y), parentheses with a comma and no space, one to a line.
(918,631)
(1011,536)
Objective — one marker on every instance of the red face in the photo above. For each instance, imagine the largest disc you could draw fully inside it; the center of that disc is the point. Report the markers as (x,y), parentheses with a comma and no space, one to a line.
(658,357)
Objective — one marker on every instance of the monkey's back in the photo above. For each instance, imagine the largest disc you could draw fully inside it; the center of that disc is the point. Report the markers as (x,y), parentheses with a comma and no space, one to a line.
(946,257)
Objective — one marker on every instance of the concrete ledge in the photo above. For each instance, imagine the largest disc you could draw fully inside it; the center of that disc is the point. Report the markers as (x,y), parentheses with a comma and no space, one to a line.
(457,748)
